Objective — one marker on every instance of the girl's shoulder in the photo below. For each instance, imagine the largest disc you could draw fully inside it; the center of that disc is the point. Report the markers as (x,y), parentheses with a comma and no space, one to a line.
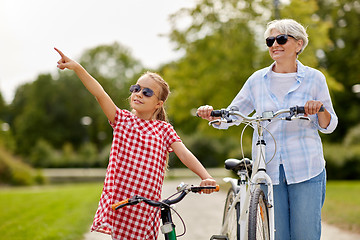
(120,116)
(163,124)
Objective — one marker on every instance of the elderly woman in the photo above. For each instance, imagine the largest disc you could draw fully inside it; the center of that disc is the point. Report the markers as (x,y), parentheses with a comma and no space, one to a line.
(298,169)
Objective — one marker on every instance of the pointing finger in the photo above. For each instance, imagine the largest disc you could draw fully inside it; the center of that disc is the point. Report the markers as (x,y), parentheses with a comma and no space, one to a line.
(60,52)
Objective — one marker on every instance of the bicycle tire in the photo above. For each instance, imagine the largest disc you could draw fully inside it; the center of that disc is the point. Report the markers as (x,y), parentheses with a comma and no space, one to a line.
(233,227)
(258,227)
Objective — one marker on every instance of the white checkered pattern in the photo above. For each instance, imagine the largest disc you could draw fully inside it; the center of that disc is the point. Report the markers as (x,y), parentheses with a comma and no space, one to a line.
(136,167)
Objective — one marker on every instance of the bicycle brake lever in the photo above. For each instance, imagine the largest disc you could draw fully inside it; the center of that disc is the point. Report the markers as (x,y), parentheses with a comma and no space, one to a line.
(304,118)
(292,118)
(214,122)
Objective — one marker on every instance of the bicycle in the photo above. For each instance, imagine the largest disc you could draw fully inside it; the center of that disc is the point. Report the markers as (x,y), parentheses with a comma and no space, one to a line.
(165,206)
(249,208)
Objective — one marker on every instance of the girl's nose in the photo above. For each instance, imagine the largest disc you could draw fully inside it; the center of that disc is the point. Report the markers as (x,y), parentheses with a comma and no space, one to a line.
(139,94)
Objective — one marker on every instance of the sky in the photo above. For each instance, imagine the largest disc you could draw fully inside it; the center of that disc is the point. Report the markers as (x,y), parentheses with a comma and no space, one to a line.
(29,30)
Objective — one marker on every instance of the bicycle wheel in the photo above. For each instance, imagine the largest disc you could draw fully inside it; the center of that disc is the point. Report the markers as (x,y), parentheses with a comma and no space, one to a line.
(233,227)
(258,228)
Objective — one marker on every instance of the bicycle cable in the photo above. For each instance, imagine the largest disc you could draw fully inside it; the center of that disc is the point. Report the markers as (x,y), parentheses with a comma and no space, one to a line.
(250,123)
(167,205)
(181,219)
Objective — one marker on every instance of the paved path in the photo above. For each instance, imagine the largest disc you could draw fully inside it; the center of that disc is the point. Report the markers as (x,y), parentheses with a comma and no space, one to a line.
(203,215)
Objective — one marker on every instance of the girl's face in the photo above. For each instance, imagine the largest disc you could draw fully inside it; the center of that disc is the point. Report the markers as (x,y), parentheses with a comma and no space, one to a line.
(284,52)
(144,106)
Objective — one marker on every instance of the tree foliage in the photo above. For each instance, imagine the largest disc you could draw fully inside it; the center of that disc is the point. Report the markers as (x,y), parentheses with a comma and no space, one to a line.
(342,57)
(222,44)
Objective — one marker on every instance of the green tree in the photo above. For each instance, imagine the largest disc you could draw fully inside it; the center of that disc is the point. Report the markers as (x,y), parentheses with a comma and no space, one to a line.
(342,56)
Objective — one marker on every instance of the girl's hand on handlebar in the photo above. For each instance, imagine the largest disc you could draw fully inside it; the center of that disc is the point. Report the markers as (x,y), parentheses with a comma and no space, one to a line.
(312,107)
(208,182)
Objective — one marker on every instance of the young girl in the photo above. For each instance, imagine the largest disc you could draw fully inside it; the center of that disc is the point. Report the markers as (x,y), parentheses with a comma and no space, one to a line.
(141,141)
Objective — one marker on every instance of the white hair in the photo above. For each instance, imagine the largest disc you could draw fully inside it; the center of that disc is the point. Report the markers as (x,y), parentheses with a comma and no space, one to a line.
(290,27)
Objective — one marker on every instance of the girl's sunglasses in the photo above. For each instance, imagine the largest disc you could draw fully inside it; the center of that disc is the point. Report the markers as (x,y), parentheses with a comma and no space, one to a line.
(147,92)
(280,39)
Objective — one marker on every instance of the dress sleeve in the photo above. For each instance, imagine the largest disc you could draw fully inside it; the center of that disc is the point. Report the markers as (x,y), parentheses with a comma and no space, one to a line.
(170,137)
(119,117)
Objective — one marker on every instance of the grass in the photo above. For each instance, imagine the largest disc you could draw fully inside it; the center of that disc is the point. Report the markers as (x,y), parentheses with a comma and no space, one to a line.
(50,212)
(65,212)
(342,205)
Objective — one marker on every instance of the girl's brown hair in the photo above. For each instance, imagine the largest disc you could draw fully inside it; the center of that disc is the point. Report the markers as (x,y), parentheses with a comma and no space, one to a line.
(160,113)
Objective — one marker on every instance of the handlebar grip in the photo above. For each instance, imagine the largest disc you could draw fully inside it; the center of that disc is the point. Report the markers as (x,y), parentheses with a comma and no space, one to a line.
(118,204)
(302,109)
(200,189)
(216,188)
(216,113)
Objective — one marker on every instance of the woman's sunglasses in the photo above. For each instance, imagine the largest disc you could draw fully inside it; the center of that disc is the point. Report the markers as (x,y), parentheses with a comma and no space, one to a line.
(280,39)
(147,92)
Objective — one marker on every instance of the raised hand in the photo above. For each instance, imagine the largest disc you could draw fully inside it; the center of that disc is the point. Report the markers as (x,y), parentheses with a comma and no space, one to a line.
(65,62)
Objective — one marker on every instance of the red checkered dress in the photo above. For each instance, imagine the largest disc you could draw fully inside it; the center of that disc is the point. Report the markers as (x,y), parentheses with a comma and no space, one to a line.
(136,167)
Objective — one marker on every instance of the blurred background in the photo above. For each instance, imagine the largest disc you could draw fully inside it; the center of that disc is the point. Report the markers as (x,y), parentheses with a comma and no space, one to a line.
(205,50)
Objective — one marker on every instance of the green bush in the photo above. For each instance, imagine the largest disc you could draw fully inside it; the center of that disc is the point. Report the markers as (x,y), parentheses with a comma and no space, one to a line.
(43,155)
(6,136)
(342,162)
(353,136)
(15,172)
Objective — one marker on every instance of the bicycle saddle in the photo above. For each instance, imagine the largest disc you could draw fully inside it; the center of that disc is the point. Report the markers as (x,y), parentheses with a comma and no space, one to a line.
(238,165)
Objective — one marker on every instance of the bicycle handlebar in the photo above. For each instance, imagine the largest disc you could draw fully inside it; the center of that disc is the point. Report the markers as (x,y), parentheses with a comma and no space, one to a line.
(266,116)
(183,192)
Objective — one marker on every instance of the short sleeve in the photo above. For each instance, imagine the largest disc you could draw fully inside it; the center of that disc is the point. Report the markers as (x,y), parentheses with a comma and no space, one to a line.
(170,136)
(120,116)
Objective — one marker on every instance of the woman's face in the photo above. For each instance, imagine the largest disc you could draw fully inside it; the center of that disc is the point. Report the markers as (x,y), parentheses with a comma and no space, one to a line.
(284,52)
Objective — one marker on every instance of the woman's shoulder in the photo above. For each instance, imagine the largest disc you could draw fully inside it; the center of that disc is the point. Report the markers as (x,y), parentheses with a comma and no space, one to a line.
(261,72)
(310,70)
(314,75)
(257,77)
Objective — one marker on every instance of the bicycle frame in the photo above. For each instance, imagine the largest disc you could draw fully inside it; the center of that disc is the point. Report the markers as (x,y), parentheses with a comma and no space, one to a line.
(243,196)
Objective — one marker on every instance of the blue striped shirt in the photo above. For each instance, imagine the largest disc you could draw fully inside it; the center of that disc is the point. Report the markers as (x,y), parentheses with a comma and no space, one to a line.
(298,144)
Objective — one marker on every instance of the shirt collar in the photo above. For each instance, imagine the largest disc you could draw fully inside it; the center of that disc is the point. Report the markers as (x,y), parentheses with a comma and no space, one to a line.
(300,74)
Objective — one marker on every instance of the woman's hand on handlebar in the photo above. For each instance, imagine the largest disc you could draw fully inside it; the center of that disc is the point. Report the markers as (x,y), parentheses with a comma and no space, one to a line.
(312,107)
(208,182)
(205,112)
